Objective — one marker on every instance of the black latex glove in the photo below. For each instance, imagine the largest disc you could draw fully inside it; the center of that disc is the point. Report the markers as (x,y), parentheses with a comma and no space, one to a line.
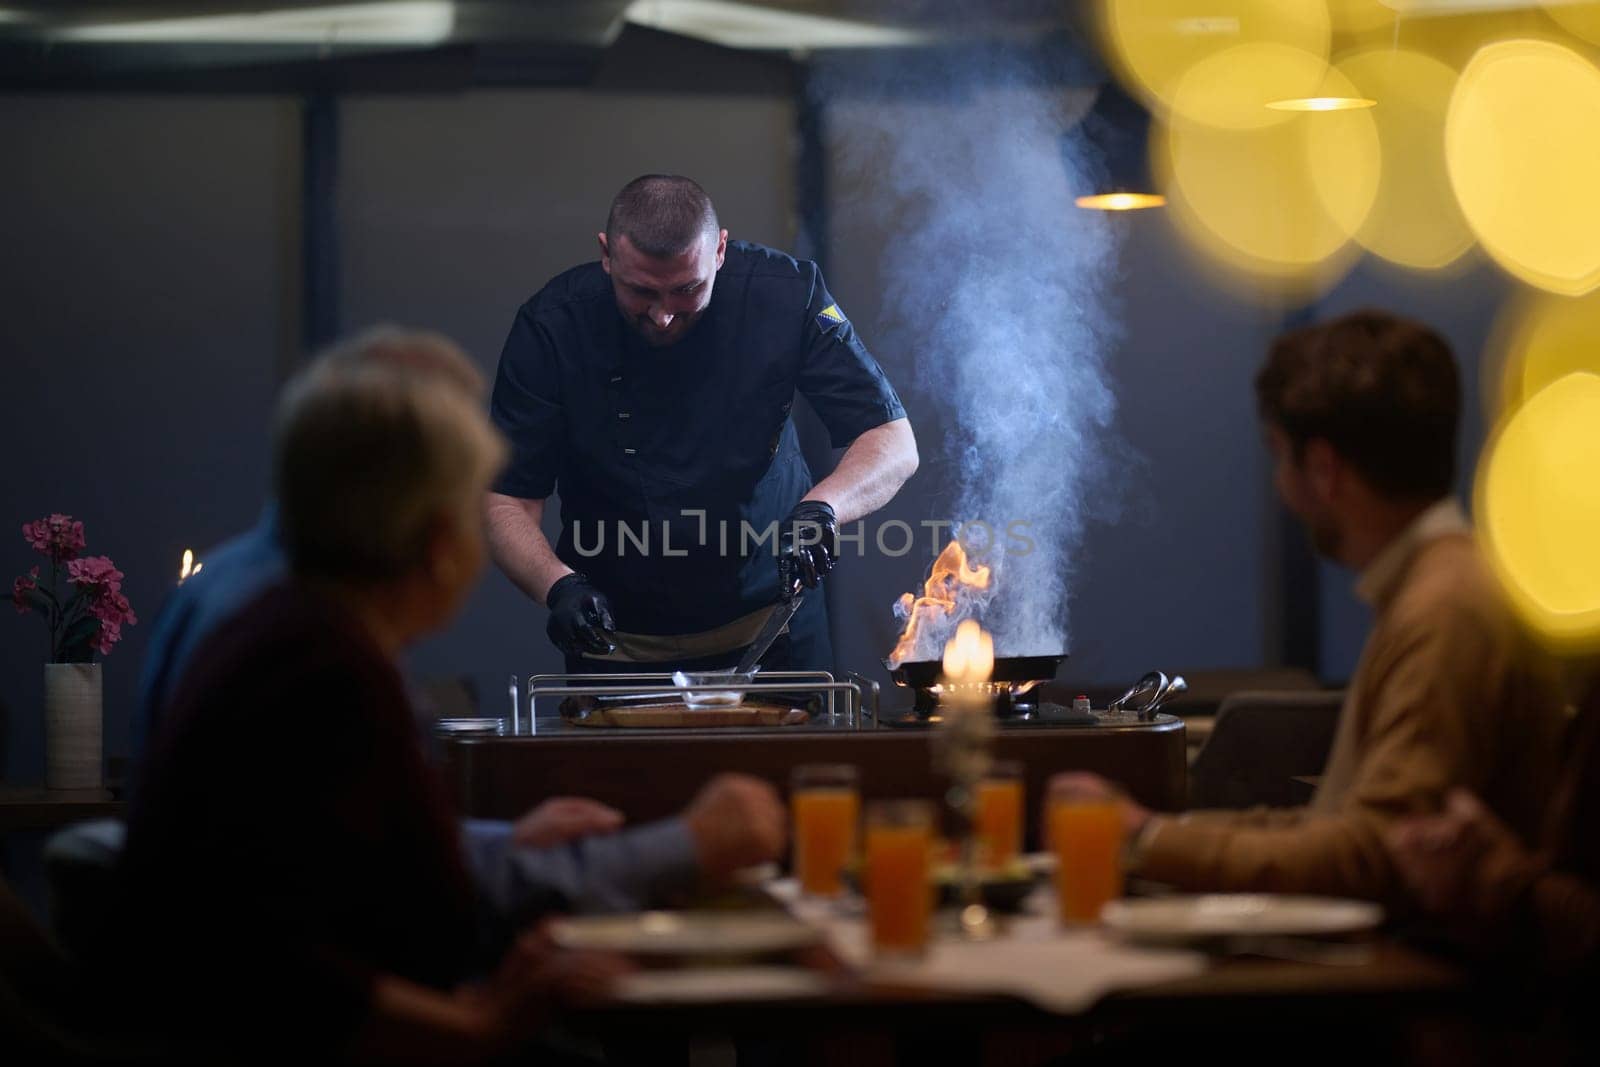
(580,617)
(808,545)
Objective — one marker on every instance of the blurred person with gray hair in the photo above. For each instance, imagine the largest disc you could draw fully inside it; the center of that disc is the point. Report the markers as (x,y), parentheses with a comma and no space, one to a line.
(238,569)
(568,853)
(329,908)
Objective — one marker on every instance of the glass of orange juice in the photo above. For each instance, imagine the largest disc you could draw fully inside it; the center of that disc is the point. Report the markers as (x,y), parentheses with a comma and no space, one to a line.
(825,800)
(1086,834)
(999,815)
(896,875)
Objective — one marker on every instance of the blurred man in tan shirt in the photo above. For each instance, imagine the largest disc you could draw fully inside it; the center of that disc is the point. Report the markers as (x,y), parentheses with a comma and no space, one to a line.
(1506,899)
(1360,415)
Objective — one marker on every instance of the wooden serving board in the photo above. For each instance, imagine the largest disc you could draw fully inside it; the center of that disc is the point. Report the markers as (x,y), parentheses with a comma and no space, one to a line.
(680,715)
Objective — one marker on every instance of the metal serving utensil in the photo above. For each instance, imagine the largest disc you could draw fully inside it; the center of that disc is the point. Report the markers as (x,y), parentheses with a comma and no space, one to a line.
(1159,688)
(781,614)
(1173,688)
(1153,684)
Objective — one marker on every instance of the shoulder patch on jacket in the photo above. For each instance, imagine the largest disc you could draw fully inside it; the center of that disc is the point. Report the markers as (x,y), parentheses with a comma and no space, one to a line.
(829,317)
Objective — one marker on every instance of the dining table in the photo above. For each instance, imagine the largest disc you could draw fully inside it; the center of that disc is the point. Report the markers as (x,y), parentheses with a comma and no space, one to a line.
(1035,993)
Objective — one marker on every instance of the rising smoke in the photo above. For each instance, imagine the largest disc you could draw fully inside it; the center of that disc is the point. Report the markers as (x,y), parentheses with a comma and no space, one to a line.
(1001,289)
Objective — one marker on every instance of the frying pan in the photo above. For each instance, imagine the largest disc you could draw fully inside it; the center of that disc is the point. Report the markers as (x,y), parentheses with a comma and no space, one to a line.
(920,674)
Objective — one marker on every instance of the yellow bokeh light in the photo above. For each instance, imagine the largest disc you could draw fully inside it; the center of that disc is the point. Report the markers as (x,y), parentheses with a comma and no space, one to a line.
(1539,509)
(1323,103)
(1153,44)
(1580,20)
(1539,339)
(1453,36)
(1120,201)
(1278,202)
(1524,161)
(1235,89)
(1361,16)
(1414,220)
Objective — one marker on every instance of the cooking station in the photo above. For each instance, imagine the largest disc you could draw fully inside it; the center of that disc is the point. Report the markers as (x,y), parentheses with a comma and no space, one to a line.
(633,741)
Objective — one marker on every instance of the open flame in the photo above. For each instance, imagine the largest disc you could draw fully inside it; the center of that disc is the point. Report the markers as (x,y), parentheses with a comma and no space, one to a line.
(189,567)
(951,591)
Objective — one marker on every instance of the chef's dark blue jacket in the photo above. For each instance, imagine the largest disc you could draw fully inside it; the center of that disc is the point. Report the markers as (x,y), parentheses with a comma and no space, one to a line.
(645,439)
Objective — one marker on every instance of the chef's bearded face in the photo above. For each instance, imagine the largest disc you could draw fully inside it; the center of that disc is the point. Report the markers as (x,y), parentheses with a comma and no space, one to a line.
(662,297)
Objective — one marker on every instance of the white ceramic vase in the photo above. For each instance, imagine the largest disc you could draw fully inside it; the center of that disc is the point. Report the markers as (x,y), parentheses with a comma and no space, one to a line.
(72,726)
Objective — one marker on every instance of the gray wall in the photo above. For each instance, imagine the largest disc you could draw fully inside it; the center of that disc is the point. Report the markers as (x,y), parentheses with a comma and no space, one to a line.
(143,280)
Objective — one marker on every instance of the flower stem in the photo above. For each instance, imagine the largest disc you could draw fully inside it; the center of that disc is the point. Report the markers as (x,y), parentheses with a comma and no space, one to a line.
(55,613)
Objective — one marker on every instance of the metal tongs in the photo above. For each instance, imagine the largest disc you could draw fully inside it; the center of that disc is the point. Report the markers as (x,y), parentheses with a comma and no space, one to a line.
(782,612)
(1159,688)
(749,663)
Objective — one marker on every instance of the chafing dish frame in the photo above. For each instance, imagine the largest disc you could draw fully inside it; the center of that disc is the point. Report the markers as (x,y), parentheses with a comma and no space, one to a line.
(861,694)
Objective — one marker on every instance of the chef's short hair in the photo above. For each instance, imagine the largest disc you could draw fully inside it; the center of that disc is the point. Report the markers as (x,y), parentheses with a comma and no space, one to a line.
(1382,390)
(372,452)
(661,215)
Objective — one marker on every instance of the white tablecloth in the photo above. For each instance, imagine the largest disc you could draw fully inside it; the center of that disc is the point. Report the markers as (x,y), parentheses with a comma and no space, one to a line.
(1058,970)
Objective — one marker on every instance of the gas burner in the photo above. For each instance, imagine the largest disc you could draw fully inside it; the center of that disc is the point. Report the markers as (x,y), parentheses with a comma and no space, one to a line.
(1010,699)
(1011,689)
(1024,713)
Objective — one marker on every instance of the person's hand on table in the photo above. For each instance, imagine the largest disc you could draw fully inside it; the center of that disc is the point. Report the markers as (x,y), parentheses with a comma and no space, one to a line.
(535,978)
(562,819)
(808,545)
(1084,786)
(1448,858)
(580,617)
(736,821)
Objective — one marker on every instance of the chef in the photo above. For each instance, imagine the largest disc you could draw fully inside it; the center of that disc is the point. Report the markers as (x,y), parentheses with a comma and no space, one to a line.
(651,391)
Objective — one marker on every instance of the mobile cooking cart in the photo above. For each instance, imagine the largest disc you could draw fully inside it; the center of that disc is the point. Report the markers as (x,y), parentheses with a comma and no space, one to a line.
(570,736)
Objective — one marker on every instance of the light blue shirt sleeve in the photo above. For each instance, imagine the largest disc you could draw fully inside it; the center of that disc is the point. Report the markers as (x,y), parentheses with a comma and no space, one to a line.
(637,867)
(235,573)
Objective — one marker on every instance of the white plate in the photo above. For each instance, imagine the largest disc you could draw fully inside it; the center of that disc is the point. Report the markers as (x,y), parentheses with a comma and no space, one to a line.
(716,984)
(673,933)
(459,727)
(1187,918)
(1042,864)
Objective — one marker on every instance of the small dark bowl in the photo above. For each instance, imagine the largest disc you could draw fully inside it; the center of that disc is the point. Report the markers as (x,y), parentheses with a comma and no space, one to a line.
(1002,891)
